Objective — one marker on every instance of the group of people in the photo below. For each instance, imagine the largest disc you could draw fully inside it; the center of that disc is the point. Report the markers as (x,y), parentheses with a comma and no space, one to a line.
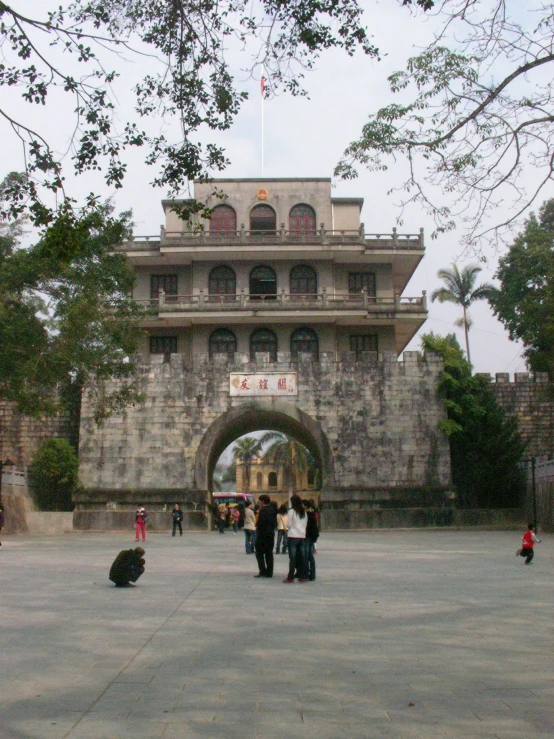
(297,533)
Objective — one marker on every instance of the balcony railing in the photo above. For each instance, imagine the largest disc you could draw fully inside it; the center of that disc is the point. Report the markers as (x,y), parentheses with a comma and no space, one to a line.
(285,301)
(245,237)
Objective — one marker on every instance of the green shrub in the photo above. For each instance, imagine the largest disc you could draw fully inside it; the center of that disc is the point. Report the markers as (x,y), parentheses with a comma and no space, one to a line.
(54,475)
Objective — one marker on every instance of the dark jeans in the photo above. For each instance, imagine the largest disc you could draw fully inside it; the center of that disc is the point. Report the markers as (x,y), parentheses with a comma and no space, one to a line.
(221,525)
(311,559)
(264,554)
(529,554)
(281,537)
(297,558)
(249,541)
(175,525)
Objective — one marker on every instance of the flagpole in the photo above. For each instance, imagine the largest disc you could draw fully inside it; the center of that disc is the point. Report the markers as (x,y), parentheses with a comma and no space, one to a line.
(262,89)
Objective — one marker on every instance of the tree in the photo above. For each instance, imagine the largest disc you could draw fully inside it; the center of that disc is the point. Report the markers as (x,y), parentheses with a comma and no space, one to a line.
(525,302)
(54,474)
(70,53)
(485,446)
(287,454)
(476,115)
(246,450)
(67,321)
(460,289)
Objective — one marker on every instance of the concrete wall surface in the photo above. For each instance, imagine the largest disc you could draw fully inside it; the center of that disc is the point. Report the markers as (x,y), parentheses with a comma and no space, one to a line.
(51,523)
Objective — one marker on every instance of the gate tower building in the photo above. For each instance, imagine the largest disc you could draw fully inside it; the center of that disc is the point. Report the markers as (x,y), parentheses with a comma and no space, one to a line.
(282,279)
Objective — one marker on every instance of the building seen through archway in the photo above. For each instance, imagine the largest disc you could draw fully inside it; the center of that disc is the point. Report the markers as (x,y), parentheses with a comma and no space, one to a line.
(267,462)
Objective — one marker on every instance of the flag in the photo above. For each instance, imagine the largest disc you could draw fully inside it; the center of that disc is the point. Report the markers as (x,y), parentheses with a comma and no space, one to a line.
(262,85)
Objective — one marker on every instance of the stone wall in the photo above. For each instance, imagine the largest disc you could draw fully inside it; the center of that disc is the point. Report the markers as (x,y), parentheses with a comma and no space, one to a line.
(21,436)
(530,397)
(372,424)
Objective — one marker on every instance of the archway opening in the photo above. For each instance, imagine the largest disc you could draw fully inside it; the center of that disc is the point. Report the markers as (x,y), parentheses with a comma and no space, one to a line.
(310,471)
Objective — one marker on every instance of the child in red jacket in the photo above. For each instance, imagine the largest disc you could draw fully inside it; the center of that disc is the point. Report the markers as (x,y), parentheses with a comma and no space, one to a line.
(527,544)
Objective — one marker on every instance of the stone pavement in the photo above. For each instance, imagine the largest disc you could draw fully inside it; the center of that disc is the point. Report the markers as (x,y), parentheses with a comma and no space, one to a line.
(404,634)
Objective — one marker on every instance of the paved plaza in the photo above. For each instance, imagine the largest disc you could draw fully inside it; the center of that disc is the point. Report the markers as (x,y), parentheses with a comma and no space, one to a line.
(404,634)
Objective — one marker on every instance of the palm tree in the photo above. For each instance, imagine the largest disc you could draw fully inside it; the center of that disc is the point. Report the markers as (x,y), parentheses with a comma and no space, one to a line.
(288,454)
(460,289)
(246,450)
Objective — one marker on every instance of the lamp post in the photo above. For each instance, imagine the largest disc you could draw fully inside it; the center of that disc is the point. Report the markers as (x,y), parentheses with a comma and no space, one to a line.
(534,488)
(7,463)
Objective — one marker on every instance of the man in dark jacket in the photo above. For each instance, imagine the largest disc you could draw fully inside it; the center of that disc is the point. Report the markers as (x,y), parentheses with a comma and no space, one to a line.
(265,539)
(177,516)
(127,567)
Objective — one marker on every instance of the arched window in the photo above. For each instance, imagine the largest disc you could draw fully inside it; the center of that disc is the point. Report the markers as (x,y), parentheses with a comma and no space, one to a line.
(272,480)
(223,282)
(263,282)
(222,341)
(223,219)
(303,280)
(259,480)
(263,218)
(302,219)
(263,340)
(304,340)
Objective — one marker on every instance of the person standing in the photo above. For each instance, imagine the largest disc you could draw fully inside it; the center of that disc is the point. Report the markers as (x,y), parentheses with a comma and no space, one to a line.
(312,535)
(249,528)
(222,518)
(297,521)
(265,538)
(235,515)
(281,529)
(141,518)
(527,545)
(177,516)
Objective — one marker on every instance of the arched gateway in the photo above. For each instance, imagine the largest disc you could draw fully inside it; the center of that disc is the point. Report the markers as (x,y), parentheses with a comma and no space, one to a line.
(277,415)
(371,424)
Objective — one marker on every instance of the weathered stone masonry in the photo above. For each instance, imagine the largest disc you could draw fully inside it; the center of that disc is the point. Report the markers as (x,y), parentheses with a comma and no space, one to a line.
(372,425)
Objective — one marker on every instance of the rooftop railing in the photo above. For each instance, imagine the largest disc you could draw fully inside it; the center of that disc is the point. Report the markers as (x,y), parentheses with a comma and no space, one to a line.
(246,237)
(285,301)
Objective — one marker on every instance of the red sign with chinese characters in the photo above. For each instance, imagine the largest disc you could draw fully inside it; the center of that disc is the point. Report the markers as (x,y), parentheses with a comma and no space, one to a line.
(262,383)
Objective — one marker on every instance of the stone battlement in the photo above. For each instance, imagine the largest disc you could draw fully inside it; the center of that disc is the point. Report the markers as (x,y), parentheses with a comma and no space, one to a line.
(503,378)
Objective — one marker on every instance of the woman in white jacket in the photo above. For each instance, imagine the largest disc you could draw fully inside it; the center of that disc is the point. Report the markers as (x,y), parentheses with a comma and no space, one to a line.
(296,540)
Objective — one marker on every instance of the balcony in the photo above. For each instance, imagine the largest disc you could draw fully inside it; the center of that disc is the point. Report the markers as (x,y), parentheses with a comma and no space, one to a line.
(200,239)
(284,302)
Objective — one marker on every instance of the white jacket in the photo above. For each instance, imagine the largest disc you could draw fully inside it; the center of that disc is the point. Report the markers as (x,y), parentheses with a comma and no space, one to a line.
(296,525)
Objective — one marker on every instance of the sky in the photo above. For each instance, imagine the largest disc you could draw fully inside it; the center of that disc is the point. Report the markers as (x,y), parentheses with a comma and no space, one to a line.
(305,137)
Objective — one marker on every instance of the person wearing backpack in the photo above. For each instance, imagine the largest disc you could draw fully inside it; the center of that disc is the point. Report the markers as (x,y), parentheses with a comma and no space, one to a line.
(141,519)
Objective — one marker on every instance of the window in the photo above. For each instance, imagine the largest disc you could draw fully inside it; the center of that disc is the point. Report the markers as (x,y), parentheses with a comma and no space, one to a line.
(263,340)
(303,280)
(302,219)
(263,218)
(272,480)
(222,341)
(259,480)
(223,282)
(167,283)
(311,478)
(263,281)
(223,219)
(358,281)
(165,345)
(363,343)
(304,340)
